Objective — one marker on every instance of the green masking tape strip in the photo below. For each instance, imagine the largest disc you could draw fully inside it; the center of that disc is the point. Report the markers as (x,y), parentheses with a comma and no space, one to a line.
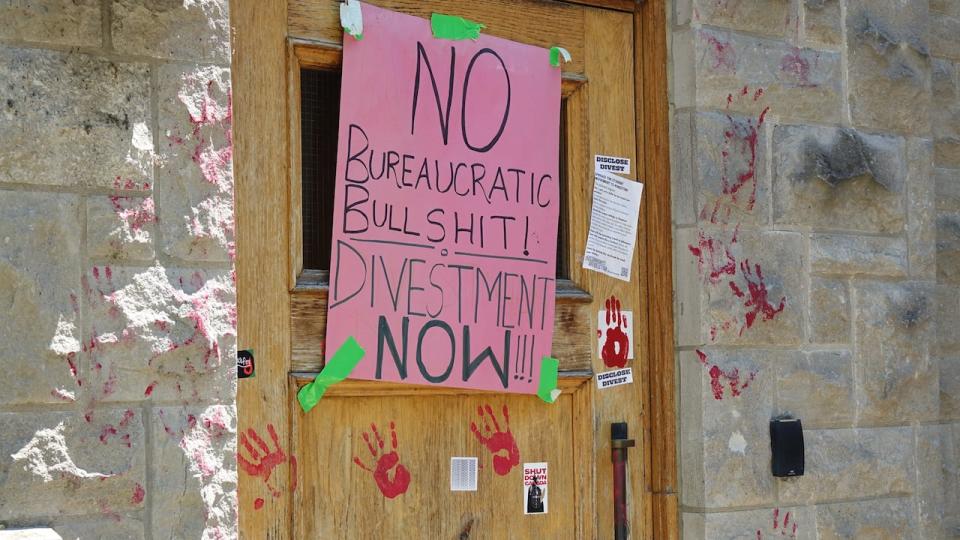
(548,390)
(337,369)
(455,28)
(556,53)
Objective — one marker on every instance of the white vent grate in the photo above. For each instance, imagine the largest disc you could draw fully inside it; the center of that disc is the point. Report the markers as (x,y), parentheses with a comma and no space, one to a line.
(463,474)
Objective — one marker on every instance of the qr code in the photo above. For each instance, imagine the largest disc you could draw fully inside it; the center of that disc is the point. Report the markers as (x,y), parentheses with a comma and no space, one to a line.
(624,272)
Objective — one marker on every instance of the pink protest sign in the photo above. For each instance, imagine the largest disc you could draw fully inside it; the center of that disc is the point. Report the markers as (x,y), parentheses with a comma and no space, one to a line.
(445,218)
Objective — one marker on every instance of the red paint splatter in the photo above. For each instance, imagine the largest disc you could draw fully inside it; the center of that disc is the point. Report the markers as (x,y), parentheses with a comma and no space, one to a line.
(779,530)
(258,504)
(713,258)
(149,389)
(724,56)
(136,214)
(616,348)
(794,65)
(294,479)
(389,487)
(257,465)
(138,494)
(501,444)
(721,379)
(758,302)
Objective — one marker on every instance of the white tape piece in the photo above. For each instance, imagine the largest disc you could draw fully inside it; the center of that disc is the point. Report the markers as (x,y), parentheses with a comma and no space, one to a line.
(351,18)
(565,54)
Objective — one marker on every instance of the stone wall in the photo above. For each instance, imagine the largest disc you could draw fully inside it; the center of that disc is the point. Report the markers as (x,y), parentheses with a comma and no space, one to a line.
(816,191)
(117,310)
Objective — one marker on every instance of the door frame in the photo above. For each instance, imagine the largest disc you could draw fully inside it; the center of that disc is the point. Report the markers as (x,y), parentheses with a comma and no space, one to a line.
(263,234)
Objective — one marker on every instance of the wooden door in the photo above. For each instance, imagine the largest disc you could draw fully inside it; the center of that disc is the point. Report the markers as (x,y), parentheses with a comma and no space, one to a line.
(318,476)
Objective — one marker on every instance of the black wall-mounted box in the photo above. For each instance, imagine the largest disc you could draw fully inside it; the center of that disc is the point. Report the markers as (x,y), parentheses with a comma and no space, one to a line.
(786,444)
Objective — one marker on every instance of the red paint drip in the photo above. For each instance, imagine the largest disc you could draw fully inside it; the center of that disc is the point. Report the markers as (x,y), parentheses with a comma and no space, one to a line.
(149,389)
(758,302)
(258,504)
(138,494)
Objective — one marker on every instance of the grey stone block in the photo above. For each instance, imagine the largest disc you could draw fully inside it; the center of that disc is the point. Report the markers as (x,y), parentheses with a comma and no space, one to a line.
(195,184)
(889,61)
(852,463)
(921,232)
(195,479)
(838,178)
(74,120)
(198,30)
(896,379)
(795,522)
(817,387)
(62,22)
(945,36)
(160,334)
(930,486)
(881,519)
(39,279)
(949,388)
(823,22)
(116,527)
(726,403)
(809,80)
(730,179)
(848,254)
(770,17)
(944,83)
(121,228)
(948,247)
(829,311)
(59,464)
(947,185)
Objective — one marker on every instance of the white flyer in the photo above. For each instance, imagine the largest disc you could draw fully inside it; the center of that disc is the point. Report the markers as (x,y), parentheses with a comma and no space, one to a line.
(613,225)
(535,488)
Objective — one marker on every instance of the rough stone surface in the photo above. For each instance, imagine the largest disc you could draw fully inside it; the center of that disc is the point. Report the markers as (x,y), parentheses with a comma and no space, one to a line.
(772,17)
(838,178)
(945,36)
(98,463)
(883,519)
(726,402)
(852,463)
(817,387)
(39,314)
(807,79)
(921,213)
(61,22)
(947,185)
(949,388)
(194,30)
(121,228)
(126,527)
(948,248)
(202,442)
(196,206)
(829,311)
(159,333)
(868,255)
(896,379)
(74,120)
(823,22)
(798,523)
(930,485)
(889,59)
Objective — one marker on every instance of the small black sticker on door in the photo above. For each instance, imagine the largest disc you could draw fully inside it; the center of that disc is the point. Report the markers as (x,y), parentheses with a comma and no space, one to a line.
(245,367)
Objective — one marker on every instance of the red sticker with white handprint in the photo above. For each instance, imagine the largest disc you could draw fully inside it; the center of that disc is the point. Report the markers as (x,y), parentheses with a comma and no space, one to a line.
(615,334)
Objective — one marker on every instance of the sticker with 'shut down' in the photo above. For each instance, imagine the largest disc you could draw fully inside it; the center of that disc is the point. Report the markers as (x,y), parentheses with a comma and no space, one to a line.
(535,490)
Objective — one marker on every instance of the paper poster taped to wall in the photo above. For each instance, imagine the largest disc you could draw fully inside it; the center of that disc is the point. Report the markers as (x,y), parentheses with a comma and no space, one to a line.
(613,164)
(617,377)
(445,226)
(613,225)
(535,492)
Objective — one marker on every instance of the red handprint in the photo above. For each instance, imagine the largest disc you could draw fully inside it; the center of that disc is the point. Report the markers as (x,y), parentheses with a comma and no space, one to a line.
(401,477)
(758,301)
(497,441)
(617,345)
(263,466)
(786,529)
